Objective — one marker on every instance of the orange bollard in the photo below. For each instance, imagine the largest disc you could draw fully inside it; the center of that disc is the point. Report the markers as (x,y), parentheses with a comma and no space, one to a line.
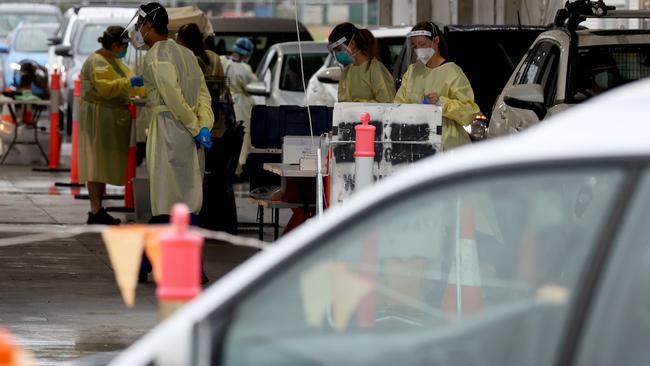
(74,158)
(55,139)
(74,163)
(180,258)
(11,354)
(130,167)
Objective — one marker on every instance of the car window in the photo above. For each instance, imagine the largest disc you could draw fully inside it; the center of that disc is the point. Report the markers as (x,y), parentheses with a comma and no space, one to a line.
(33,39)
(8,22)
(535,69)
(87,43)
(602,68)
(618,328)
(478,271)
(389,49)
(291,78)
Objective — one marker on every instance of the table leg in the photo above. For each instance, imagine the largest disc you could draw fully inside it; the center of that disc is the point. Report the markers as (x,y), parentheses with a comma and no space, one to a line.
(12,143)
(36,117)
(276,224)
(260,210)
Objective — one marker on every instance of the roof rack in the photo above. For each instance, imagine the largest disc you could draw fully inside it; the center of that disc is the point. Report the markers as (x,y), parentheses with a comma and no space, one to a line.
(577,11)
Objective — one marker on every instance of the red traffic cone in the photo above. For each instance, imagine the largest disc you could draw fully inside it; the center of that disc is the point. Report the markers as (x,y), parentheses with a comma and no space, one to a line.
(463,294)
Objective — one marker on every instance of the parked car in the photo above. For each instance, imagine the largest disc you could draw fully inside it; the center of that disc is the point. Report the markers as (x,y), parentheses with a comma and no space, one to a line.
(83,42)
(264,32)
(552,243)
(324,90)
(11,14)
(279,72)
(69,27)
(27,43)
(561,69)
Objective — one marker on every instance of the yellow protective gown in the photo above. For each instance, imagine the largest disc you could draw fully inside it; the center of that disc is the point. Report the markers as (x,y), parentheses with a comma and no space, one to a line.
(240,74)
(179,105)
(363,83)
(104,120)
(456,98)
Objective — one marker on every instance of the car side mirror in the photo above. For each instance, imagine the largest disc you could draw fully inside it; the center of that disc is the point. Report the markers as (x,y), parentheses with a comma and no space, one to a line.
(526,96)
(53,41)
(330,75)
(258,88)
(4,48)
(64,51)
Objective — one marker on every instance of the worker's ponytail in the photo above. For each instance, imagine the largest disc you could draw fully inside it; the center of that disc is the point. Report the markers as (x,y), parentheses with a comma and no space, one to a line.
(368,44)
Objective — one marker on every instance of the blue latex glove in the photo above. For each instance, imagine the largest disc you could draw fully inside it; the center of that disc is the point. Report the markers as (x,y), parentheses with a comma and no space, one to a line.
(425,100)
(137,81)
(204,138)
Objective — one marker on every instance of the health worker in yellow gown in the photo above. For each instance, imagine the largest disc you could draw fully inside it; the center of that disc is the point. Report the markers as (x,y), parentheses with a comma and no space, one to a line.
(364,77)
(104,120)
(435,80)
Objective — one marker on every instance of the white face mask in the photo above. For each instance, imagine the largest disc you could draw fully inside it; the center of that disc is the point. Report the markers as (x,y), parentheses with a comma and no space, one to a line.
(137,40)
(425,54)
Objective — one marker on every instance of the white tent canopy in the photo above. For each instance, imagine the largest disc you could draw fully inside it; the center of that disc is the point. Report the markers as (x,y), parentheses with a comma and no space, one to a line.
(186,15)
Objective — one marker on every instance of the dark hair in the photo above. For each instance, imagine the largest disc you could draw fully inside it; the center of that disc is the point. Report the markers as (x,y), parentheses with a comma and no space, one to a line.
(363,39)
(435,32)
(192,38)
(156,16)
(112,34)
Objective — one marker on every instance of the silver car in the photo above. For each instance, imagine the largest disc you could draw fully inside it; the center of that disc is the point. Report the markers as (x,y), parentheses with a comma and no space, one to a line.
(279,72)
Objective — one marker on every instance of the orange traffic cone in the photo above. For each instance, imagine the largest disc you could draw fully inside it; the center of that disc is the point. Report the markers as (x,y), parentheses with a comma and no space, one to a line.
(6,116)
(463,294)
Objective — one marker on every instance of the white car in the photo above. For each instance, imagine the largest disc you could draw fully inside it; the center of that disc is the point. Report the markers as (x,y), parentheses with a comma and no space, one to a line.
(279,72)
(70,26)
(323,85)
(552,243)
(72,46)
(564,67)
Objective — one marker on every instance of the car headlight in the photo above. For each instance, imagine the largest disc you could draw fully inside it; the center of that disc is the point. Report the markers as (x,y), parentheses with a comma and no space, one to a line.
(14,66)
(477,130)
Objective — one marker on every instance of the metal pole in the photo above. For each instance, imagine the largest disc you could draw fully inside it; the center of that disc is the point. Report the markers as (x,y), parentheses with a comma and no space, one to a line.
(319,184)
(459,298)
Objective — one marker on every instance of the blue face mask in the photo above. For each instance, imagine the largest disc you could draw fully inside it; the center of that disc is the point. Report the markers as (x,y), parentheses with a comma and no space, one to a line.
(344,58)
(121,54)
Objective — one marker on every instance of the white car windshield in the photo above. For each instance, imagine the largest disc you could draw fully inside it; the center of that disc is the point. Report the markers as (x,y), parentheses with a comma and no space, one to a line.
(89,35)
(33,39)
(9,21)
(385,287)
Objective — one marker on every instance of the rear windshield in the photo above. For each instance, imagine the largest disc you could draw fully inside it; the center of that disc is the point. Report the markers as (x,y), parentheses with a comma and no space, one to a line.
(602,68)
(33,39)
(9,21)
(291,77)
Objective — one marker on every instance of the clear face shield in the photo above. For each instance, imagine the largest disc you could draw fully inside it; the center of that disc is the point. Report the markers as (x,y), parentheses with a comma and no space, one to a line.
(340,51)
(420,46)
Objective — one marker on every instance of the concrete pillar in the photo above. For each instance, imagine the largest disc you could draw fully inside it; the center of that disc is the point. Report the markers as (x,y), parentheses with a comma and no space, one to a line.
(444,11)
(423,10)
(385,12)
(511,8)
(465,11)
